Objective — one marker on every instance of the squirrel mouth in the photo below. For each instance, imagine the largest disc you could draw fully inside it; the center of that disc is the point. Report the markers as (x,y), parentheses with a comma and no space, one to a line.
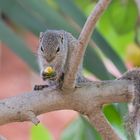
(50,59)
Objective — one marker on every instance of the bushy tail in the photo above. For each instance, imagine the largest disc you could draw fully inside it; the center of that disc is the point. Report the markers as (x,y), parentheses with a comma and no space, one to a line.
(133,118)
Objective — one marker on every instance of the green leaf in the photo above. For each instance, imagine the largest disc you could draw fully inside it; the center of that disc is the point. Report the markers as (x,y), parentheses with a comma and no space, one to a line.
(39,132)
(123,15)
(45,12)
(93,63)
(84,5)
(21,16)
(17,45)
(70,9)
(34,15)
(80,129)
(118,41)
(108,51)
(114,117)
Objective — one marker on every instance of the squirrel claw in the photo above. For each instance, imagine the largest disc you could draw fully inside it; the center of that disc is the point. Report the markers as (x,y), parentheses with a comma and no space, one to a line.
(40,87)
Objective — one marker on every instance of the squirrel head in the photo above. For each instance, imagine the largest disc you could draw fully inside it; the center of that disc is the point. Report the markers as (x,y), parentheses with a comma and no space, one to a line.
(52,43)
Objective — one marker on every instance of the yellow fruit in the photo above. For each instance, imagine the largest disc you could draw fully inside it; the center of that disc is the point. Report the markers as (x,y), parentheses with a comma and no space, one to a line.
(49,70)
(48,73)
(133,54)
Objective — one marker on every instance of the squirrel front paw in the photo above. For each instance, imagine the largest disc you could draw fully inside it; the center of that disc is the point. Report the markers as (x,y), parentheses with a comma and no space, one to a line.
(40,87)
(50,77)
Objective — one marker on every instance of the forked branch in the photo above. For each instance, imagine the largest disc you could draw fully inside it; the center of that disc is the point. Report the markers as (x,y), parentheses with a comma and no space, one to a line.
(78,53)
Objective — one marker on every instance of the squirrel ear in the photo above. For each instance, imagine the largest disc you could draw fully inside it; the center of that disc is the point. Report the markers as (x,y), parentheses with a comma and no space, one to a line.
(61,36)
(40,36)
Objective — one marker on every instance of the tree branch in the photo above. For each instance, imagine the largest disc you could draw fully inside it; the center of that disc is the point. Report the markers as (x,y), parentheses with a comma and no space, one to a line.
(78,53)
(101,124)
(85,100)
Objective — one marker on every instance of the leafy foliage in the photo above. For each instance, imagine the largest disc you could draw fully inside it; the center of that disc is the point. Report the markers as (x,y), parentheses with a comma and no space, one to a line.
(118,24)
(128,12)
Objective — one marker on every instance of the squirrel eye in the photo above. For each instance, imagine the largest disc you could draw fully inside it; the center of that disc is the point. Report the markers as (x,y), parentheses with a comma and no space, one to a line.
(58,49)
(42,48)
(62,40)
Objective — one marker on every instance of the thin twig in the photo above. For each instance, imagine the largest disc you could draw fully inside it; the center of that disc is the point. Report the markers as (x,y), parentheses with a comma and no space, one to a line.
(78,53)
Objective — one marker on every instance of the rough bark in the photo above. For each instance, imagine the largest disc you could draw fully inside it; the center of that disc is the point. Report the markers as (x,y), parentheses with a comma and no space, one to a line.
(85,100)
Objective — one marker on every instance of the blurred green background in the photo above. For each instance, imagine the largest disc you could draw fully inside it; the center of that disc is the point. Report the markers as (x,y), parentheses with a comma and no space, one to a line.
(114,47)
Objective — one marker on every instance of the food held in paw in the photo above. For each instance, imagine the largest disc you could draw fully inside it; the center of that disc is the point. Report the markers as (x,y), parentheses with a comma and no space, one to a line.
(48,72)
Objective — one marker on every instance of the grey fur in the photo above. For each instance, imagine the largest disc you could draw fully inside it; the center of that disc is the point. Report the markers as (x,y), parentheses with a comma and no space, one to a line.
(50,40)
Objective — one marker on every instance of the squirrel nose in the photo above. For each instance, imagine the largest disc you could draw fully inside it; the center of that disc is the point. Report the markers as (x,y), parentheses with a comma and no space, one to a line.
(50,58)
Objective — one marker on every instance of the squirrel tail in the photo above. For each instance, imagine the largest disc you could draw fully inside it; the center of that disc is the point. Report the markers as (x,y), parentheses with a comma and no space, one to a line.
(133,119)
